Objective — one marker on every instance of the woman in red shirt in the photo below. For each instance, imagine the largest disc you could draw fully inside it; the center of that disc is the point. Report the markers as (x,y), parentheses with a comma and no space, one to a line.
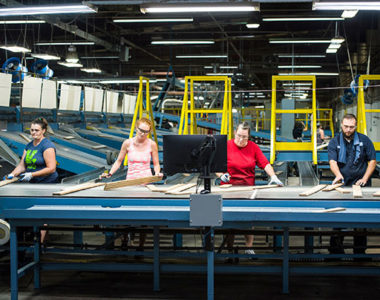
(242,157)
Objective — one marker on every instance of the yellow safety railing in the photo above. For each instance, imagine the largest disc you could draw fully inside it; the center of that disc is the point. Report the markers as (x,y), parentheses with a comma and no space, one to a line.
(293,146)
(189,114)
(140,111)
(328,119)
(361,110)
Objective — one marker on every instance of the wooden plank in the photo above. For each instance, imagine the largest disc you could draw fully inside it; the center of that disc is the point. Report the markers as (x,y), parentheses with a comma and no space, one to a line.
(79,187)
(357,191)
(96,147)
(330,210)
(162,188)
(224,186)
(8,181)
(25,137)
(181,188)
(332,187)
(269,186)
(69,137)
(343,191)
(129,182)
(231,189)
(376,194)
(313,190)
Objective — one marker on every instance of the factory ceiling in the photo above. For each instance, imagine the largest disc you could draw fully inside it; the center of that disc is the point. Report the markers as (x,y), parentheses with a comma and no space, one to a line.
(127,50)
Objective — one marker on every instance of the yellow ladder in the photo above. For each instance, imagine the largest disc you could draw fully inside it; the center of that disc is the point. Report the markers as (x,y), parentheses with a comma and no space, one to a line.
(361,110)
(293,146)
(189,114)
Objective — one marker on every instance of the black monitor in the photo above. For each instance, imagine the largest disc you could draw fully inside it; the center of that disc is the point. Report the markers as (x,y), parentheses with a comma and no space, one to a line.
(202,154)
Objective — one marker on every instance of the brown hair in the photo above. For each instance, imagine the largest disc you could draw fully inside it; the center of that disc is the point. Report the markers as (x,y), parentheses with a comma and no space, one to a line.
(42,122)
(245,126)
(350,117)
(146,121)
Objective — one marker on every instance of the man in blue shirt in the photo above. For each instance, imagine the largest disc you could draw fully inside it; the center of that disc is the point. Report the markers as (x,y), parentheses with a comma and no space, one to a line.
(352,159)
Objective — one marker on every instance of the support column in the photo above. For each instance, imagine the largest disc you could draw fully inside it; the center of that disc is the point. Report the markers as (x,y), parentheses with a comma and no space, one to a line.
(14,263)
(285,262)
(156,258)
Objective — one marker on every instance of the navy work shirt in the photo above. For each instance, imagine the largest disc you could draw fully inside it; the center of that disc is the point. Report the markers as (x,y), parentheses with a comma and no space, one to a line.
(352,172)
(34,161)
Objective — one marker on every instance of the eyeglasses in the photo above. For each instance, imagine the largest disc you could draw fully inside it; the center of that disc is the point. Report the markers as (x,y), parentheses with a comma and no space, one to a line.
(143,131)
(242,137)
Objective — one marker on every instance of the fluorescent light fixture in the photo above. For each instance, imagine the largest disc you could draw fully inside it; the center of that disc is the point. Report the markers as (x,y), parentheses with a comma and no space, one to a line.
(114,81)
(349,14)
(228,67)
(219,74)
(347,5)
(199,8)
(253,25)
(287,41)
(201,56)
(297,84)
(331,50)
(15,48)
(23,22)
(91,70)
(299,67)
(45,56)
(303,19)
(150,20)
(99,57)
(183,42)
(208,67)
(337,40)
(311,73)
(334,46)
(300,55)
(46,10)
(64,43)
(70,64)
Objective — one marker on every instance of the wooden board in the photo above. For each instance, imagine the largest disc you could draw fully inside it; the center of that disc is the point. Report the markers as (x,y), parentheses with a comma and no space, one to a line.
(313,190)
(129,182)
(330,210)
(230,189)
(69,137)
(343,191)
(357,191)
(332,187)
(162,188)
(376,194)
(79,187)
(181,188)
(96,147)
(224,186)
(8,181)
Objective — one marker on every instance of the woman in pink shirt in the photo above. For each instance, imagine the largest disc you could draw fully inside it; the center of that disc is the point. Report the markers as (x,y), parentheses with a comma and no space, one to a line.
(140,150)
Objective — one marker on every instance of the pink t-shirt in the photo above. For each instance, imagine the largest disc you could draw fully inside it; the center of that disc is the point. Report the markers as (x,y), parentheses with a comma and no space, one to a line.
(139,160)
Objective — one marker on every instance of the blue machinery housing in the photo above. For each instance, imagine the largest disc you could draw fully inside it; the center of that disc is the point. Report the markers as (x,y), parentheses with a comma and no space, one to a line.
(33,205)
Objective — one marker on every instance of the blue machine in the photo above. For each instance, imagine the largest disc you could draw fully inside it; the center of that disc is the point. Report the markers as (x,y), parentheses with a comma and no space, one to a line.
(41,67)
(13,66)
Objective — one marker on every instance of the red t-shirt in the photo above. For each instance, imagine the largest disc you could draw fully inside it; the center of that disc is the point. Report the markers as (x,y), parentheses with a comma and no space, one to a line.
(241,162)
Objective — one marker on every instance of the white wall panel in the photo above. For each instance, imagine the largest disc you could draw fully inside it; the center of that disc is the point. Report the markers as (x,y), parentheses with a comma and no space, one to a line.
(5,89)
(31,92)
(49,94)
(70,97)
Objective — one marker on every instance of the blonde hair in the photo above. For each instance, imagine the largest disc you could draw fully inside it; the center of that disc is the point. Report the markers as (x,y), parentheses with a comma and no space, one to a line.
(146,121)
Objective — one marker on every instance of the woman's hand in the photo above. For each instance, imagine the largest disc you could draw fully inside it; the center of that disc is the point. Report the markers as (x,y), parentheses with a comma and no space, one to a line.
(105,175)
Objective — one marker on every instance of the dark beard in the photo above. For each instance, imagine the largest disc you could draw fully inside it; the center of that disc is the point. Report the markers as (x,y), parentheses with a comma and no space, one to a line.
(350,137)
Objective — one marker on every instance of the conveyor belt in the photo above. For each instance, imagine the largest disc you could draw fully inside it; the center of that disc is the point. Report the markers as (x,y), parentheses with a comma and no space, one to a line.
(68,159)
(307,174)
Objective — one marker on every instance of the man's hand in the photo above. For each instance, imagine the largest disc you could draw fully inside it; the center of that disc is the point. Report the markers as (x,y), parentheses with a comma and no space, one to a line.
(361,182)
(26,177)
(225,177)
(274,180)
(9,176)
(338,179)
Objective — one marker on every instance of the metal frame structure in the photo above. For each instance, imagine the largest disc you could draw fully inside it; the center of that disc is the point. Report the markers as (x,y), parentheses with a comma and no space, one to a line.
(304,147)
(188,115)
(329,119)
(361,110)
